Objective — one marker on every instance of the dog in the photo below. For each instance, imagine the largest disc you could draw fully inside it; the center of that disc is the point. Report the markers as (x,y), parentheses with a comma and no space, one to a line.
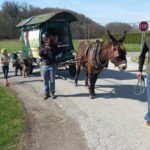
(24,65)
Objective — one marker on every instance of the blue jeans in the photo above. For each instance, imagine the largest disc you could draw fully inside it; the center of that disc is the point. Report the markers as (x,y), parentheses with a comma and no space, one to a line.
(5,71)
(49,79)
(147,116)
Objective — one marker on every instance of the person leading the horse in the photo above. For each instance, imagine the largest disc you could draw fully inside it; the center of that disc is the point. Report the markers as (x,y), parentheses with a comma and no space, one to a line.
(145,49)
(48,54)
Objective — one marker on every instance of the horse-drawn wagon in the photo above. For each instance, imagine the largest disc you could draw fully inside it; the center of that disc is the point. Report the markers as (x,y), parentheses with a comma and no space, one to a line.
(57,24)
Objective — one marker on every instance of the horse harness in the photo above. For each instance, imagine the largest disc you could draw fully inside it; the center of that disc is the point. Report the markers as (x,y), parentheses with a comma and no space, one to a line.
(94,55)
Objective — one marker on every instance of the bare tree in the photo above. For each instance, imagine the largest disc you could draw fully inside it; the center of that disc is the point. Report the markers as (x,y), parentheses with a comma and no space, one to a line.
(12,13)
(118,27)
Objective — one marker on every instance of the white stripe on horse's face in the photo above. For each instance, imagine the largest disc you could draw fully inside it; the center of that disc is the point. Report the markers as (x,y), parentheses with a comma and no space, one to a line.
(122,66)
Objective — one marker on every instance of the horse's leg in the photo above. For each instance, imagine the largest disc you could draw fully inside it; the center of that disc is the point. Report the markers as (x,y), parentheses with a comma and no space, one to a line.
(91,87)
(77,74)
(16,70)
(95,75)
(86,77)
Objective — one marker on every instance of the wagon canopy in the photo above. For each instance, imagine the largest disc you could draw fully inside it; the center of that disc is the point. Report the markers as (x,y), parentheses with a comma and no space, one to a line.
(55,22)
(36,21)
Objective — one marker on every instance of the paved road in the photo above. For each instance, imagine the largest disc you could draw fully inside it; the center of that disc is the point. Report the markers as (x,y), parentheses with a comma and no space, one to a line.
(111,121)
(114,120)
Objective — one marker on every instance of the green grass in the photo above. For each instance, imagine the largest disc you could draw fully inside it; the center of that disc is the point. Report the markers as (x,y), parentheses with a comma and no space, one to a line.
(132,47)
(129,47)
(11,45)
(15,45)
(11,120)
(136,59)
(76,43)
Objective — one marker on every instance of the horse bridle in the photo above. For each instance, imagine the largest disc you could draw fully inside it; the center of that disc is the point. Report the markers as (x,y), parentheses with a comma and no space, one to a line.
(115,51)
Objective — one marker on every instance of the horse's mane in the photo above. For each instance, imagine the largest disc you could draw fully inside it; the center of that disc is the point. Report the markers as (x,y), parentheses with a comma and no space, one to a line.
(107,44)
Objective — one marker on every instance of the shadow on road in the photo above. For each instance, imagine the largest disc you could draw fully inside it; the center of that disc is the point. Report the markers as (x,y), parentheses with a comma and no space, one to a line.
(118,90)
(113,89)
(106,73)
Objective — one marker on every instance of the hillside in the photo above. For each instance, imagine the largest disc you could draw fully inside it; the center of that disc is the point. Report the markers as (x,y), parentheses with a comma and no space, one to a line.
(12,13)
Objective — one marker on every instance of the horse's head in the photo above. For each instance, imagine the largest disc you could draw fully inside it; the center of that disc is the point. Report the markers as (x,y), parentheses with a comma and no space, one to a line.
(118,52)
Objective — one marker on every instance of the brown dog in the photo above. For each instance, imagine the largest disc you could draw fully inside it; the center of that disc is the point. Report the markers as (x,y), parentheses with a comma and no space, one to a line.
(24,65)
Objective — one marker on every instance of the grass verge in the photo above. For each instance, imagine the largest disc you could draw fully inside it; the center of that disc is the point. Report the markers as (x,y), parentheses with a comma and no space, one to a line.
(12,118)
(132,47)
(11,45)
(129,47)
(15,45)
(136,59)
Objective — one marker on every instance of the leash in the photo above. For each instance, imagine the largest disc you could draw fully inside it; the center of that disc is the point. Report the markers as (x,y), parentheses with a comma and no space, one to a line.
(140,87)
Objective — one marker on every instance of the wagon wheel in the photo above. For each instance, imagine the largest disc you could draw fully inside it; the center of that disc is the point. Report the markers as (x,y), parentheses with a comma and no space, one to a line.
(72,69)
(31,60)
(31,69)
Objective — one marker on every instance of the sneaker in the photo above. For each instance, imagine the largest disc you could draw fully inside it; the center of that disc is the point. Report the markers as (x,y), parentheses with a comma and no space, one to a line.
(148,123)
(46,96)
(52,95)
(5,83)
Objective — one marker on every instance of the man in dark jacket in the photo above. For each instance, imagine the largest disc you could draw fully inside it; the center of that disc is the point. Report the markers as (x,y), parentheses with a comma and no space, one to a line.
(146,48)
(48,52)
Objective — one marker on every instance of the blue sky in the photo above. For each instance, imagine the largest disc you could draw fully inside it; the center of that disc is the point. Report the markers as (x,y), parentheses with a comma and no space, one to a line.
(101,11)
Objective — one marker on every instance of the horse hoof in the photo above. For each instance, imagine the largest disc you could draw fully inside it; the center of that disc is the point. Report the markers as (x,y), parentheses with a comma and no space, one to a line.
(91,96)
(94,94)
(75,85)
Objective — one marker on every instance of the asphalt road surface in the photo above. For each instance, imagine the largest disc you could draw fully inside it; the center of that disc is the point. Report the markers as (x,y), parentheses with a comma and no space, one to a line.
(114,120)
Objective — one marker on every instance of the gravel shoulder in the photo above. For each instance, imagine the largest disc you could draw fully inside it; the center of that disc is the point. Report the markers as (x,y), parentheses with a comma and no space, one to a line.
(48,127)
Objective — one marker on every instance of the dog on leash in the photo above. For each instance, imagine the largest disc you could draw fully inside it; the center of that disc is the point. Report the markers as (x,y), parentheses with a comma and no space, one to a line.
(24,65)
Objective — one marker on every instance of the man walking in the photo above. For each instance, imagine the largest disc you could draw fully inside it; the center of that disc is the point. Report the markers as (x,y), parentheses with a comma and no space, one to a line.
(48,54)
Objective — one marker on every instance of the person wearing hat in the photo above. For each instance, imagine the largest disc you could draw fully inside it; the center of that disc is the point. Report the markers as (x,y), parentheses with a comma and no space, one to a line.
(48,53)
(5,64)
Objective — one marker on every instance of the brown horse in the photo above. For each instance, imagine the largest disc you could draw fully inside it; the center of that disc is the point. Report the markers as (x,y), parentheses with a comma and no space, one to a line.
(93,57)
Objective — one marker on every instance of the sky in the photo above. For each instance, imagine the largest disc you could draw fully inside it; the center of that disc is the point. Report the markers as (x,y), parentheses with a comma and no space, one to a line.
(101,11)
